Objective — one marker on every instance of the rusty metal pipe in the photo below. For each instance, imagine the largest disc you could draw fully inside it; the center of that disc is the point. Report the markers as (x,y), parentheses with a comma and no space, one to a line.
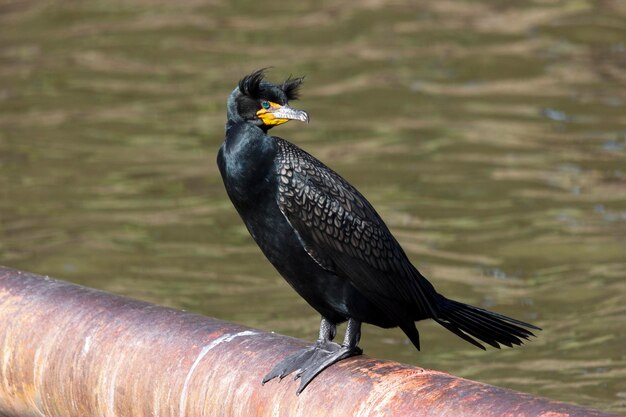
(71,351)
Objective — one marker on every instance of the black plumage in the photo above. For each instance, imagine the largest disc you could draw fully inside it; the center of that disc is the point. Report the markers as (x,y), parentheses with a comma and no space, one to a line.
(327,240)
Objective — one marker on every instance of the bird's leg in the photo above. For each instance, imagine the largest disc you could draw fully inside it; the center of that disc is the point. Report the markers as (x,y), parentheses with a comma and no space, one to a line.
(328,331)
(322,359)
(301,358)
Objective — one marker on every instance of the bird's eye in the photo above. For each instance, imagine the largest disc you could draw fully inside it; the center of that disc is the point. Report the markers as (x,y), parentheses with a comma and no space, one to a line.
(266,105)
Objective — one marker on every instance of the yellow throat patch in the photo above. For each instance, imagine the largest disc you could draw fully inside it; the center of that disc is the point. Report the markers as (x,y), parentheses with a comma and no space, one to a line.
(268,117)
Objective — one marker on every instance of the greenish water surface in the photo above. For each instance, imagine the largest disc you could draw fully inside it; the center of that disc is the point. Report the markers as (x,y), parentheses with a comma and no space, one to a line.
(490,135)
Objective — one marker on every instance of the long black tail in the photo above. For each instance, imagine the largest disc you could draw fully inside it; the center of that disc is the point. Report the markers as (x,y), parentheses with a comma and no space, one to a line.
(471,322)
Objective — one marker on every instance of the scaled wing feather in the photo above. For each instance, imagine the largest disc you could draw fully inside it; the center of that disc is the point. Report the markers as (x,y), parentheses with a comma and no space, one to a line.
(342,232)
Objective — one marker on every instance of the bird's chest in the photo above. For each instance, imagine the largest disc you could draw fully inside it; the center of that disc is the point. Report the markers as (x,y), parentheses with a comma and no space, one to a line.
(247,180)
(249,192)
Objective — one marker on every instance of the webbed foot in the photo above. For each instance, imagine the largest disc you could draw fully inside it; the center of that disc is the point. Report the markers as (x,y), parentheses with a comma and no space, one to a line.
(309,362)
(301,359)
(322,359)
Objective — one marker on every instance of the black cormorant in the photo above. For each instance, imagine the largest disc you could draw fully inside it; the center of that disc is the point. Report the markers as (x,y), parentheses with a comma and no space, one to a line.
(327,240)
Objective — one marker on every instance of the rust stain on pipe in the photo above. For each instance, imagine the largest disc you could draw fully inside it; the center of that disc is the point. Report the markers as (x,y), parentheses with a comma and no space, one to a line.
(71,351)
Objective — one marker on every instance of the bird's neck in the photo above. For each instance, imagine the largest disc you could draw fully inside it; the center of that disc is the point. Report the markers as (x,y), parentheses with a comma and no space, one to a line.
(247,158)
(233,121)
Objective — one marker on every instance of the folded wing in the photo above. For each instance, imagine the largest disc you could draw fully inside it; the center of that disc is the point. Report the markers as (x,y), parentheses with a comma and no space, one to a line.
(342,232)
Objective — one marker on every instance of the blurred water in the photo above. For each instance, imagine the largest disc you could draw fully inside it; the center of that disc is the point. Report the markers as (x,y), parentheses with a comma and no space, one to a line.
(490,135)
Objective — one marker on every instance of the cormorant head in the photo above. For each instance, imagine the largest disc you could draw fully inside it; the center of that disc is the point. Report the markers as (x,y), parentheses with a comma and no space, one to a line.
(264,104)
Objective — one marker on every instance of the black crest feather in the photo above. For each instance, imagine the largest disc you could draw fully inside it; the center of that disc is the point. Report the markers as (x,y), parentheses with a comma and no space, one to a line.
(291,87)
(250,85)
